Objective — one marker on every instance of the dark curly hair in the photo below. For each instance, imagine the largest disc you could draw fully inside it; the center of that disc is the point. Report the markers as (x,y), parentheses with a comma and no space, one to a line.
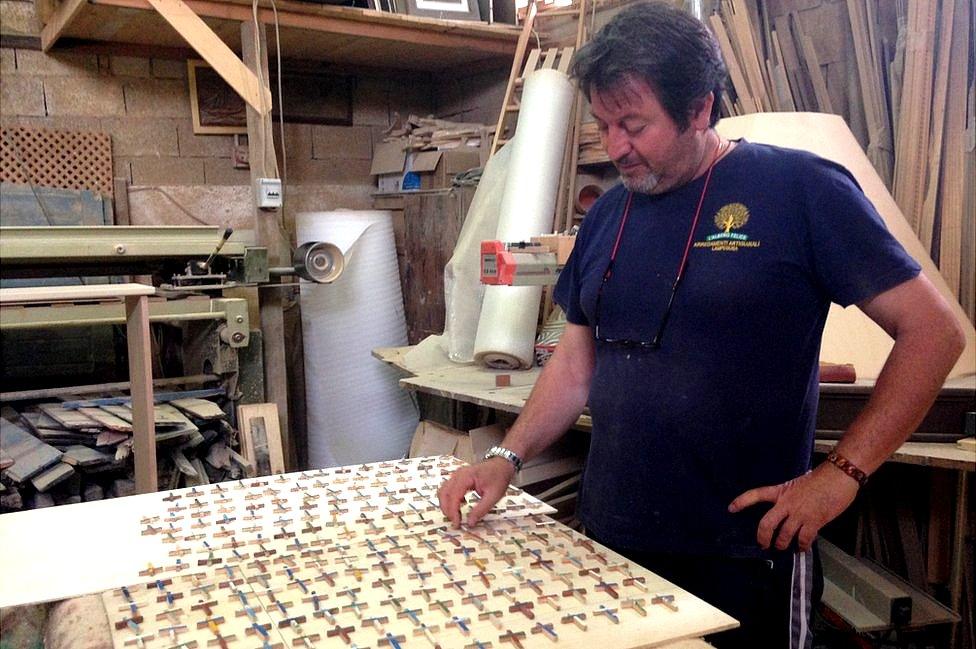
(669,49)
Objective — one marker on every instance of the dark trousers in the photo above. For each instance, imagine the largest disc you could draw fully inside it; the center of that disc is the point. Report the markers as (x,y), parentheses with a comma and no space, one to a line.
(771,599)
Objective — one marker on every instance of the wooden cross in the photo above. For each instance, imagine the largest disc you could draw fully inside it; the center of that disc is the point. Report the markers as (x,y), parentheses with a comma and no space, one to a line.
(424,592)
(507,557)
(636,582)
(457,584)
(442,605)
(550,599)
(513,638)
(393,641)
(599,556)
(636,604)
(461,623)
(419,574)
(591,572)
(611,613)
(428,632)
(384,583)
(665,600)
(377,622)
(493,617)
(350,593)
(508,592)
(569,557)
(608,589)
(395,602)
(410,613)
(384,565)
(547,629)
(355,572)
(355,607)
(476,600)
(533,584)
(578,593)
(328,576)
(342,632)
(525,608)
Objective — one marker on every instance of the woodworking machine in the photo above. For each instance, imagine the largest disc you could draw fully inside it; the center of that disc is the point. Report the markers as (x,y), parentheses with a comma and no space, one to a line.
(182,258)
(533,263)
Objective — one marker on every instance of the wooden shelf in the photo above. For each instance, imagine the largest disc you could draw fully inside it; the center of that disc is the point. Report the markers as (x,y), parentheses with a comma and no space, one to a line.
(342,35)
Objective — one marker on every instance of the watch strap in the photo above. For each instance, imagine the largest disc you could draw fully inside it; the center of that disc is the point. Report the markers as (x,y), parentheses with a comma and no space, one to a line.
(502,452)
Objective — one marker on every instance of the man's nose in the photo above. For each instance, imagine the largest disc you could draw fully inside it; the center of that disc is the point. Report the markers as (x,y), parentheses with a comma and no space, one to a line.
(617,144)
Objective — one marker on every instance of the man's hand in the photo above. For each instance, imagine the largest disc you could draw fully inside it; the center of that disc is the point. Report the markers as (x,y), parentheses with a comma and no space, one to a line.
(489,479)
(800,507)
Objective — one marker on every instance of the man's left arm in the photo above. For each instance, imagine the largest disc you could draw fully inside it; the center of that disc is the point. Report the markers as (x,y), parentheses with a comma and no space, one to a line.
(928,341)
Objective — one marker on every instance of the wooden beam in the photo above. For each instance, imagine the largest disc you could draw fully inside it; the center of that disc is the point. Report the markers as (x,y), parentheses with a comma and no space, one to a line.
(140,375)
(352,22)
(264,164)
(60,20)
(215,52)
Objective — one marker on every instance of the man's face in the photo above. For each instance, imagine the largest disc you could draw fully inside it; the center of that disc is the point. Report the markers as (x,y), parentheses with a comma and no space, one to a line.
(641,139)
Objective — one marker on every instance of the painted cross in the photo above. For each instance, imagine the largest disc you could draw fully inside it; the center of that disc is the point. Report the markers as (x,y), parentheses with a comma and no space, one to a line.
(636,582)
(342,632)
(608,589)
(525,608)
(547,629)
(665,600)
(551,600)
(579,619)
(461,623)
(611,613)
(578,593)
(636,604)
(476,600)
(513,638)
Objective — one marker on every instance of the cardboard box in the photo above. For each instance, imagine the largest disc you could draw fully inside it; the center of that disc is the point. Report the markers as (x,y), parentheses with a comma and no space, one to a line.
(435,169)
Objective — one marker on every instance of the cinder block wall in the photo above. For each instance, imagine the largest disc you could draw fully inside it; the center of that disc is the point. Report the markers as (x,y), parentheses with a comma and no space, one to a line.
(143,103)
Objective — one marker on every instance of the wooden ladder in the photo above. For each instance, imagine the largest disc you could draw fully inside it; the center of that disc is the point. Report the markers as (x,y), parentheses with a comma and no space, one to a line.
(557,58)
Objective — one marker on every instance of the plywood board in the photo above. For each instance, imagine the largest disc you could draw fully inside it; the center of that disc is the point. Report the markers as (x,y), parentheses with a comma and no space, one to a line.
(70,419)
(30,455)
(850,336)
(199,408)
(261,437)
(363,553)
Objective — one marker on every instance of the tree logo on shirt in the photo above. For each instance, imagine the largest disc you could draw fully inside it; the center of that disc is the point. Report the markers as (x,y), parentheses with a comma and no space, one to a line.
(731,216)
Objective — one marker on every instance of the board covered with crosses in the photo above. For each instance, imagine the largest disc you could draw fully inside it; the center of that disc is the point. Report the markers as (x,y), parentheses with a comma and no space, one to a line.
(361,556)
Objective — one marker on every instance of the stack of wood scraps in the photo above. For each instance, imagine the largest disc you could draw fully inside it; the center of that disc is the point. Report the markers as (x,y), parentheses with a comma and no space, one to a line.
(429,133)
(70,451)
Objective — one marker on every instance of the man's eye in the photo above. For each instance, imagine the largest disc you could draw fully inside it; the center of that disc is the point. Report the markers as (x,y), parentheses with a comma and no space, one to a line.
(634,130)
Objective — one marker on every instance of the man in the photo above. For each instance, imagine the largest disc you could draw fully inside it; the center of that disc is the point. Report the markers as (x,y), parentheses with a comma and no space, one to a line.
(696,298)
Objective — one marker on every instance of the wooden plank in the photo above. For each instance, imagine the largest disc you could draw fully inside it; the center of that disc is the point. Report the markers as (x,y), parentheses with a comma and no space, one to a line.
(53,476)
(799,82)
(740,32)
(39,294)
(83,456)
(60,21)
(140,374)
(107,420)
(824,104)
(258,423)
(200,408)
(263,163)
(215,52)
(30,455)
(951,184)
(124,386)
(739,83)
(523,42)
(70,419)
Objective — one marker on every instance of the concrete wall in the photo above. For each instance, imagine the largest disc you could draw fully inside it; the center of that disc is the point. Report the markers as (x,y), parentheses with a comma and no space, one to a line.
(143,103)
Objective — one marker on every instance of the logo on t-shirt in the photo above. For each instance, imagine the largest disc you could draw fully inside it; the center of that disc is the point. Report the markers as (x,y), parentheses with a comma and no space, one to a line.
(730,218)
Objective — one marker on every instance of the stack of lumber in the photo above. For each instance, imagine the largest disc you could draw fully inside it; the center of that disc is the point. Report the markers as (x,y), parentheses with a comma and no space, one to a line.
(591,150)
(902,81)
(75,450)
(429,133)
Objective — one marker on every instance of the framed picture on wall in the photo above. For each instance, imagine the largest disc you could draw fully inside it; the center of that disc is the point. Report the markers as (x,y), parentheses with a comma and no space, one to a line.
(214,106)
(451,9)
(310,96)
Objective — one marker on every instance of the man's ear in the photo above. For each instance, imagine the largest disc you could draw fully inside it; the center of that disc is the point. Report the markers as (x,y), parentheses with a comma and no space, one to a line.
(701,112)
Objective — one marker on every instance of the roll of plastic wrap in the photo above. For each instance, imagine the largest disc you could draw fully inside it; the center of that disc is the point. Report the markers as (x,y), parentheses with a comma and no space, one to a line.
(463,290)
(506,328)
(356,411)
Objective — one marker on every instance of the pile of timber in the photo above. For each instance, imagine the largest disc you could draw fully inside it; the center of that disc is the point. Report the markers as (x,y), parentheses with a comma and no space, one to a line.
(907,94)
(80,450)
(429,134)
(591,150)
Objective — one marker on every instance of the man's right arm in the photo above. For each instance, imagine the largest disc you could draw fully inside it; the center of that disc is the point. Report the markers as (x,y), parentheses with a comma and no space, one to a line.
(555,404)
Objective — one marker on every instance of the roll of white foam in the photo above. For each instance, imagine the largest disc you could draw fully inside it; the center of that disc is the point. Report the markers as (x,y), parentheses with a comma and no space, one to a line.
(506,328)
(356,411)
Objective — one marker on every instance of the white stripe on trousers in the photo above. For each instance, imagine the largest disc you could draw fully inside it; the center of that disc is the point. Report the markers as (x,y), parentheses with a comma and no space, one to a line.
(801,585)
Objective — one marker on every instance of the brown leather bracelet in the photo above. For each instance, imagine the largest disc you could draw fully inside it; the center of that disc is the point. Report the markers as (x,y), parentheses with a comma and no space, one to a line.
(848,467)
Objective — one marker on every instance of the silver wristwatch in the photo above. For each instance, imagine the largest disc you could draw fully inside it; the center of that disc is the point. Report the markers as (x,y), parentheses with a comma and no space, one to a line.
(501,451)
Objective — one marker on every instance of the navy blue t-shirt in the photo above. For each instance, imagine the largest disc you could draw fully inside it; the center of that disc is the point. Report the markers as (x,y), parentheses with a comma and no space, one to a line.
(729,400)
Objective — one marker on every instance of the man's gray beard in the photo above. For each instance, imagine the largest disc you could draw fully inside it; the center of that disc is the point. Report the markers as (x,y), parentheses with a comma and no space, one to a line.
(642,185)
